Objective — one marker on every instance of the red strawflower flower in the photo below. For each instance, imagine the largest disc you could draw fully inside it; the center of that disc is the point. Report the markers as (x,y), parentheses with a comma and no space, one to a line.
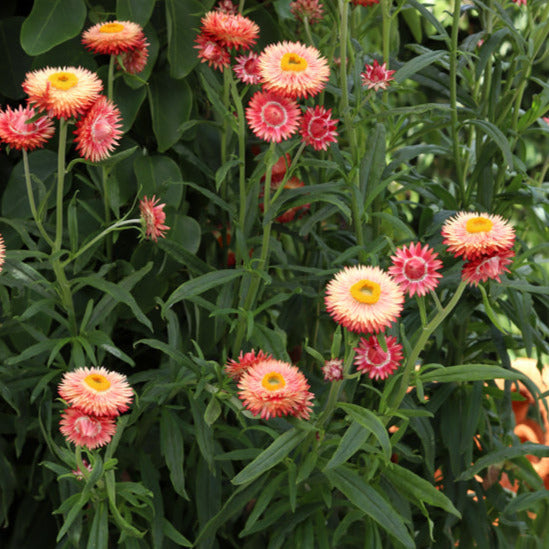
(235,368)
(247,68)
(134,61)
(85,429)
(18,134)
(153,217)
(372,359)
(333,370)
(485,267)
(212,52)
(272,117)
(310,9)
(113,37)
(416,269)
(230,30)
(365,2)
(318,128)
(377,76)
(98,131)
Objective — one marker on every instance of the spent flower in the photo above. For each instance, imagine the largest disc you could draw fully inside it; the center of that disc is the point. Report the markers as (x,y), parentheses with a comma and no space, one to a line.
(19,133)
(86,429)
(153,217)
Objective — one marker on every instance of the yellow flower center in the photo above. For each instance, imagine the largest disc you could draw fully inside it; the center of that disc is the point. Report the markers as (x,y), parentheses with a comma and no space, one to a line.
(273,381)
(293,62)
(111,28)
(478,225)
(366,291)
(63,80)
(97,382)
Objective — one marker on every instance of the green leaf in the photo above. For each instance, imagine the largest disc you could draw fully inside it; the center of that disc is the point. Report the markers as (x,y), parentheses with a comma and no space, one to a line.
(14,62)
(469,372)
(497,136)
(137,11)
(525,502)
(270,457)
(128,101)
(213,410)
(372,164)
(202,432)
(51,22)
(99,531)
(262,502)
(417,63)
(365,498)
(175,535)
(355,436)
(171,446)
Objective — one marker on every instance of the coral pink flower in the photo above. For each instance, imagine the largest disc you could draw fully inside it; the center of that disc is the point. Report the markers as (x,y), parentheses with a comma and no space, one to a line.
(485,267)
(18,133)
(134,61)
(365,2)
(113,37)
(98,131)
(62,92)
(364,299)
(274,388)
(247,68)
(230,30)
(96,391)
(472,235)
(2,252)
(85,429)
(416,269)
(333,370)
(272,117)
(318,129)
(310,9)
(293,69)
(212,52)
(153,217)
(235,368)
(372,359)
(377,76)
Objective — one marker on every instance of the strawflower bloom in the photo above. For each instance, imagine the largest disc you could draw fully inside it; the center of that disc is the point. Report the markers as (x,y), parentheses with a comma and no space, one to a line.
(333,370)
(226,6)
(485,267)
(230,30)
(318,129)
(2,252)
(153,217)
(364,299)
(310,9)
(372,359)
(416,269)
(98,131)
(272,117)
(365,2)
(520,2)
(235,368)
(293,69)
(472,235)
(113,37)
(96,391)
(134,61)
(376,76)
(273,388)
(211,52)
(62,92)
(247,68)
(19,134)
(85,429)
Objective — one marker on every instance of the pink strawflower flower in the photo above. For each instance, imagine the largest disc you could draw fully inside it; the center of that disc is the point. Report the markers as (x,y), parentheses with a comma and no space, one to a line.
(235,368)
(318,129)
(113,37)
(273,388)
(416,269)
(230,30)
(247,68)
(98,131)
(376,76)
(333,370)
(310,9)
(211,52)
(86,429)
(272,117)
(485,267)
(153,217)
(19,134)
(134,61)
(2,252)
(96,391)
(520,2)
(372,359)
(226,6)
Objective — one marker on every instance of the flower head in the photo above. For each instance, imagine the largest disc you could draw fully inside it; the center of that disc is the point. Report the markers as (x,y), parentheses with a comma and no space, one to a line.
(96,391)
(211,52)
(134,61)
(318,129)
(333,369)
(62,92)
(372,359)
(98,131)
(520,2)
(377,76)
(310,9)
(365,3)
(272,388)
(153,217)
(272,117)
(247,68)
(416,269)
(226,6)
(2,252)
(230,30)
(485,267)
(364,299)
(472,235)
(235,368)
(293,69)
(113,37)
(86,429)
(18,133)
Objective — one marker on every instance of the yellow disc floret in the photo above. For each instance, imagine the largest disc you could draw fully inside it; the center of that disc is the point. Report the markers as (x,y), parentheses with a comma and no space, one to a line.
(63,80)
(97,382)
(479,225)
(366,291)
(293,62)
(111,28)
(273,381)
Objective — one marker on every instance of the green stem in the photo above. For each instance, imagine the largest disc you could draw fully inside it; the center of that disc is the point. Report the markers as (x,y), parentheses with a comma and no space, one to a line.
(107,208)
(80,463)
(386,29)
(308,31)
(227,77)
(110,78)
